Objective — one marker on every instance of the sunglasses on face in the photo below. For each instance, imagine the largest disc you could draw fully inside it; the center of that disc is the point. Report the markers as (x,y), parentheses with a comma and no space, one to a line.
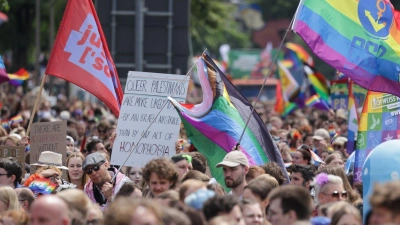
(337,146)
(94,168)
(337,194)
(102,131)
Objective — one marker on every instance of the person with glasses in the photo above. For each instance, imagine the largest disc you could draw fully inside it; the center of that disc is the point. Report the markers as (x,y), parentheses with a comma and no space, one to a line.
(103,130)
(339,144)
(328,188)
(10,172)
(100,189)
(25,198)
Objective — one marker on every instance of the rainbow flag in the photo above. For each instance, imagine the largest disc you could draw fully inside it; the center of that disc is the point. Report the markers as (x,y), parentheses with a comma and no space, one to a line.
(16,119)
(289,85)
(360,38)
(379,122)
(316,102)
(352,121)
(42,186)
(3,72)
(215,125)
(318,83)
(18,77)
(301,53)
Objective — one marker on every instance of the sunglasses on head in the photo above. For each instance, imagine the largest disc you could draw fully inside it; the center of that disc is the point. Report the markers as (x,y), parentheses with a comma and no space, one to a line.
(336,194)
(94,168)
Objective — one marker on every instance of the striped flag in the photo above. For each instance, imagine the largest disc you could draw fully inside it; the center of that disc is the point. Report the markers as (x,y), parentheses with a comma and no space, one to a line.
(352,121)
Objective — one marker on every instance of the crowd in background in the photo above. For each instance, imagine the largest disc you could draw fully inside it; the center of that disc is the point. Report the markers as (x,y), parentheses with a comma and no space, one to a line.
(180,190)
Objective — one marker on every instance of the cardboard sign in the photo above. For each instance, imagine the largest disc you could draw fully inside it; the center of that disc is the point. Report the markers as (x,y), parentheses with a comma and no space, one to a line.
(49,136)
(17,152)
(144,99)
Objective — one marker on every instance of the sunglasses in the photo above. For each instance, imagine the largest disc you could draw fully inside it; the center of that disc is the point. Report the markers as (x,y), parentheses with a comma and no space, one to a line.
(94,168)
(337,146)
(337,194)
(102,131)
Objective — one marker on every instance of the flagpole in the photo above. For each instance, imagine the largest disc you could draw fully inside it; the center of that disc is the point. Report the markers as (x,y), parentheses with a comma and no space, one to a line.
(265,80)
(39,95)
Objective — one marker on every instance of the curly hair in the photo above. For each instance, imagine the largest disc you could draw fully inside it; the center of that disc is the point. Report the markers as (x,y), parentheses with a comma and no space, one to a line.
(164,168)
(307,171)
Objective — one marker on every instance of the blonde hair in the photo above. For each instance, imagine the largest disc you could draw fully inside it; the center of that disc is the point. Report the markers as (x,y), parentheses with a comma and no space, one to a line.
(85,177)
(332,179)
(9,197)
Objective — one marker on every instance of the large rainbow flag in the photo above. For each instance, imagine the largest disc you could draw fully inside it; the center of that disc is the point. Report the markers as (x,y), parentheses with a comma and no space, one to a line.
(215,125)
(360,38)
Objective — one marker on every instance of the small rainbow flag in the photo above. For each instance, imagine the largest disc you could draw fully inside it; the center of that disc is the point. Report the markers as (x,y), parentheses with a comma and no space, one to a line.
(42,186)
(317,102)
(16,119)
(18,77)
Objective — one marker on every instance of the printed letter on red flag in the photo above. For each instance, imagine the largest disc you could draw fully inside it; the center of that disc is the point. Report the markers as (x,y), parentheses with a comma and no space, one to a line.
(80,54)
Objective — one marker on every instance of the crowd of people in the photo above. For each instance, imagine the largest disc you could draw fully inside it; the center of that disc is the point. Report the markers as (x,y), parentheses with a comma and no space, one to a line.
(89,190)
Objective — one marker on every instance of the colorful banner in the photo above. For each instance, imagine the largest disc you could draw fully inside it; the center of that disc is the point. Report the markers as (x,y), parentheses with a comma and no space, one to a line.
(379,122)
(340,94)
(242,62)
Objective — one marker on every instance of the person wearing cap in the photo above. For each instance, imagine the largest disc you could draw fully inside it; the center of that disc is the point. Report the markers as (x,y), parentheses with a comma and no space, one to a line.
(321,139)
(339,144)
(183,163)
(235,166)
(100,189)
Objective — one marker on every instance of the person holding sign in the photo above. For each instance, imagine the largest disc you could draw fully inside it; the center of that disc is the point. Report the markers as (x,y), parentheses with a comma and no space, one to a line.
(99,189)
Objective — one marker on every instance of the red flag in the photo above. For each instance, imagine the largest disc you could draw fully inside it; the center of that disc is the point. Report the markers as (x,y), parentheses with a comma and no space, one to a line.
(80,54)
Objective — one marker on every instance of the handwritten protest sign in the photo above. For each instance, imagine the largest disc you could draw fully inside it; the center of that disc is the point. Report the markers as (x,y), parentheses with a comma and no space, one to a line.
(17,152)
(49,136)
(145,95)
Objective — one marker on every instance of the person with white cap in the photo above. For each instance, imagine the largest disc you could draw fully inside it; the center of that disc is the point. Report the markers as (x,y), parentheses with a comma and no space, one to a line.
(339,144)
(321,139)
(235,165)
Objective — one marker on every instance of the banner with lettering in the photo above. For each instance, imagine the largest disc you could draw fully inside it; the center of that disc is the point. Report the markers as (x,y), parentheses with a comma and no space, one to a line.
(144,98)
(80,54)
(340,94)
(49,136)
(242,62)
(379,122)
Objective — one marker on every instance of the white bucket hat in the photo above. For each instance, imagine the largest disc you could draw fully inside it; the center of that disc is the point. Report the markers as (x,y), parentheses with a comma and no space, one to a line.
(48,158)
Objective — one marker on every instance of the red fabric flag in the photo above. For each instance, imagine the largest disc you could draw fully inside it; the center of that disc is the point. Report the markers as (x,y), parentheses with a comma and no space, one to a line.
(279,102)
(80,54)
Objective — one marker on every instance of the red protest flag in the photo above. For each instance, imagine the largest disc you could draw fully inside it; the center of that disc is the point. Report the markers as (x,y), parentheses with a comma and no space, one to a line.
(80,54)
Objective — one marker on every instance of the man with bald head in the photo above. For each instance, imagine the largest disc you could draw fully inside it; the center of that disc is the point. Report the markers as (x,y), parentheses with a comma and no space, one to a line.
(50,210)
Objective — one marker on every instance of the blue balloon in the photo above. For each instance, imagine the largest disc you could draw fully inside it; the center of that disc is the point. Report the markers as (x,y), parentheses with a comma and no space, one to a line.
(381,165)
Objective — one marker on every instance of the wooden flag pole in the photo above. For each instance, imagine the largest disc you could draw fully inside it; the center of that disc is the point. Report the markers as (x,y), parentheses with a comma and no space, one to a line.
(39,95)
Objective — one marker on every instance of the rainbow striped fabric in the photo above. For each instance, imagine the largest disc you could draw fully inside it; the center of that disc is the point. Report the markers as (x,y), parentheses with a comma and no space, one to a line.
(360,38)
(215,125)
(3,72)
(316,102)
(352,122)
(18,77)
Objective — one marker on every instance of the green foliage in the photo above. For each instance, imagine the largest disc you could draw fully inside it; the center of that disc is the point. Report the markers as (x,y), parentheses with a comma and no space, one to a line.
(213,24)
(4,6)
